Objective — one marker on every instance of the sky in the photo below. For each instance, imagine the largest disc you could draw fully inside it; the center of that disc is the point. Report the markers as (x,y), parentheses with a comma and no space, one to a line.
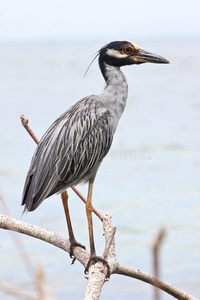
(62,19)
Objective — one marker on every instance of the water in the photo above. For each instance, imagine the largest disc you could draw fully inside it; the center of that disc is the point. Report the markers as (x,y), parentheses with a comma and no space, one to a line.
(149,179)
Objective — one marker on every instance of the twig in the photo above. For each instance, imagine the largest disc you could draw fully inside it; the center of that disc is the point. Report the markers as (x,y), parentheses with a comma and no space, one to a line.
(29,130)
(20,246)
(156,248)
(43,288)
(15,291)
(84,200)
(82,256)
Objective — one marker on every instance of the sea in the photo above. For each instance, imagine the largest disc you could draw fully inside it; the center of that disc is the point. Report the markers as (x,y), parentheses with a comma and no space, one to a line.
(149,180)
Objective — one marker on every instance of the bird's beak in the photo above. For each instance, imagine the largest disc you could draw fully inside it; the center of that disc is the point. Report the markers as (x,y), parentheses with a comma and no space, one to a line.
(142,56)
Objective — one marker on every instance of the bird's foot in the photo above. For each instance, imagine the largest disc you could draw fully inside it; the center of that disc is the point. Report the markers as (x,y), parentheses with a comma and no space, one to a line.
(93,259)
(74,244)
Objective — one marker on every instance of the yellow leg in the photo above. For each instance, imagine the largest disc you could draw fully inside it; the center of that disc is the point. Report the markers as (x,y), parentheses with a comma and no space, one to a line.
(65,197)
(93,258)
(89,218)
(73,242)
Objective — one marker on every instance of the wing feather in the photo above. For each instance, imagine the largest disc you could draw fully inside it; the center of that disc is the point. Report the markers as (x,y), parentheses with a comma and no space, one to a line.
(71,149)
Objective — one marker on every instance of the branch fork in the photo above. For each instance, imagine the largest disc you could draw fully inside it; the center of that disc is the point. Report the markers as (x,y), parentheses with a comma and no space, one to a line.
(97,273)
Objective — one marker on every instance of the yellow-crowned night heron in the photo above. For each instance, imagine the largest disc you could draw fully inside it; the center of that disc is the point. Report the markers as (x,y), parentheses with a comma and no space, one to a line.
(73,148)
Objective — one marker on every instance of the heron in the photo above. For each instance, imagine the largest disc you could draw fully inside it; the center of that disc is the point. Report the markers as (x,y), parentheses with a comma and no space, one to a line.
(73,148)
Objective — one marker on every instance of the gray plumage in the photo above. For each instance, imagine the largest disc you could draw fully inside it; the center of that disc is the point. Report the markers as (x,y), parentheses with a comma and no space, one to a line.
(73,148)
(70,151)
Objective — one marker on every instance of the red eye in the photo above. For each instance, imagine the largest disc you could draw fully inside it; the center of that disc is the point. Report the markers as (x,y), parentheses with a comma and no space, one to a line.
(127,50)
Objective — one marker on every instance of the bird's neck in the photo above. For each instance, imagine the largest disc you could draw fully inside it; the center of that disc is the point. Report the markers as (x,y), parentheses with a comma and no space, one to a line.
(116,90)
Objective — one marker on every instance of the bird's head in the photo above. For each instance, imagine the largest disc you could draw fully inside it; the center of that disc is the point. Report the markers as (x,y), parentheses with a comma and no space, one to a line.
(122,53)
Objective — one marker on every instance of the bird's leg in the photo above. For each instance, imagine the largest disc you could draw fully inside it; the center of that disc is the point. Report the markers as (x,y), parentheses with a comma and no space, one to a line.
(89,218)
(93,257)
(73,242)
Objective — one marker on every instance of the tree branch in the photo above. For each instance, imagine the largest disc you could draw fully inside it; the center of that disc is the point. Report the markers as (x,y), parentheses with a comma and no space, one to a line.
(97,273)
(156,248)
(45,235)
(28,129)
(166,287)
(15,291)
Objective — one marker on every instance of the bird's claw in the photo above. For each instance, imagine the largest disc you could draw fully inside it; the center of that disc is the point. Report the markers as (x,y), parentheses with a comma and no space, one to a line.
(93,259)
(74,244)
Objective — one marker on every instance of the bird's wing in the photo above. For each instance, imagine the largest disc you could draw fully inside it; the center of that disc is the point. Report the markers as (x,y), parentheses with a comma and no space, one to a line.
(72,147)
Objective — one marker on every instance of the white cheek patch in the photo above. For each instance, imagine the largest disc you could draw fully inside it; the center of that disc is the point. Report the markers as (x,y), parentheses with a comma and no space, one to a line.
(115,53)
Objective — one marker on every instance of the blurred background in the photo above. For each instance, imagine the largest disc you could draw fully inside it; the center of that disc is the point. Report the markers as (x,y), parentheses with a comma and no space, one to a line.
(150,178)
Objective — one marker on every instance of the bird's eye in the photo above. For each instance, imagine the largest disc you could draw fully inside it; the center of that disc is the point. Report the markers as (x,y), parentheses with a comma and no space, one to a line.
(127,50)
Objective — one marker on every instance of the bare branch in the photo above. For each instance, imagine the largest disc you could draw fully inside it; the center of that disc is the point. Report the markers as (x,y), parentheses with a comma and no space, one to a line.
(168,288)
(45,235)
(82,256)
(96,278)
(28,129)
(98,272)
(44,293)
(15,291)
(109,252)
(43,288)
(20,246)
(156,248)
